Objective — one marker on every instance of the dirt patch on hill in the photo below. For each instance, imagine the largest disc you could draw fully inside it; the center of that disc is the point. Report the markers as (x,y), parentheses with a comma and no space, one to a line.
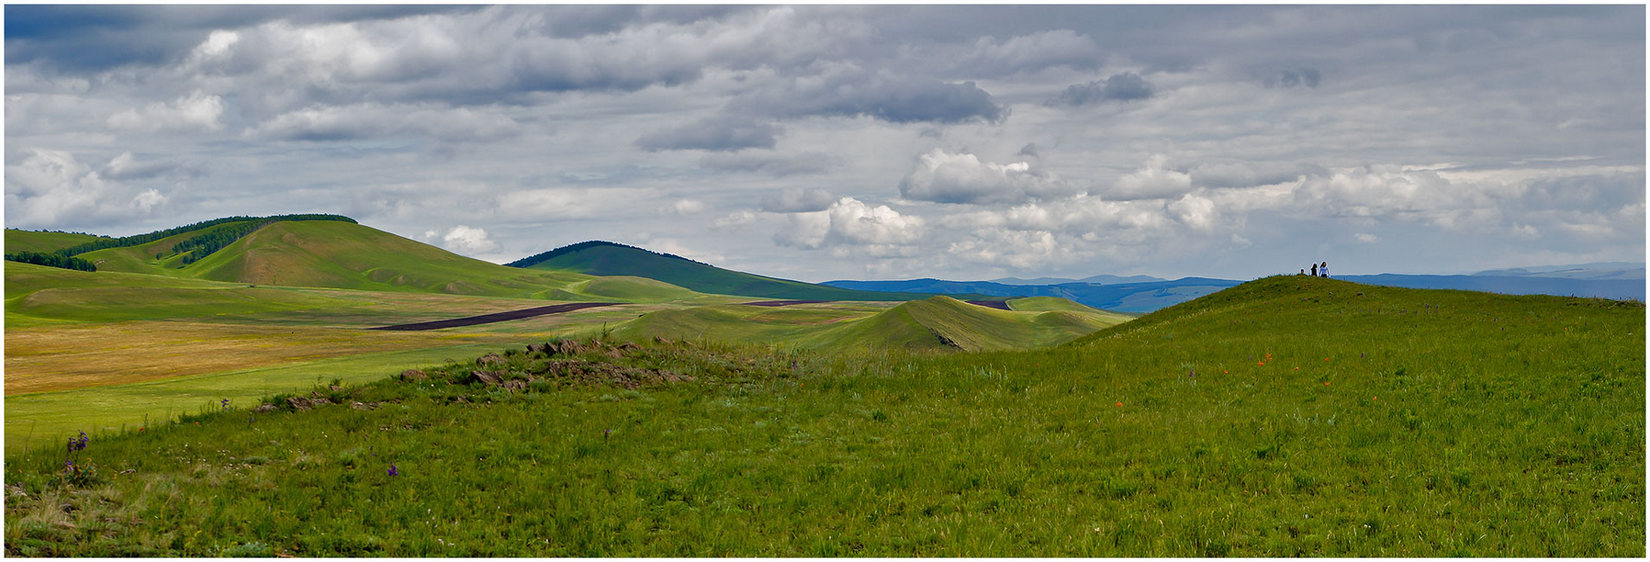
(495,317)
(782,302)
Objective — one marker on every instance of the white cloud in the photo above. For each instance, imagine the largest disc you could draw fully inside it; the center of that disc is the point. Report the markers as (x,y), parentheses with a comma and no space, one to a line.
(147,200)
(52,189)
(1153,181)
(736,218)
(688,207)
(851,222)
(1195,211)
(1366,237)
(945,177)
(463,239)
(196,111)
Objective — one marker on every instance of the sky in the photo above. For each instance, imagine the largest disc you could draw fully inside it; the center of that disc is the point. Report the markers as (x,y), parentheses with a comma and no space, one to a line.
(856,142)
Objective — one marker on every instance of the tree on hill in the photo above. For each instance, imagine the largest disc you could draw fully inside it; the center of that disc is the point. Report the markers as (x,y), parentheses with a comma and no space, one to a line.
(52,260)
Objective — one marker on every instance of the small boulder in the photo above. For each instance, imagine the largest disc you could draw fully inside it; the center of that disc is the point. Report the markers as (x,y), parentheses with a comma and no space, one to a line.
(414,375)
(489,377)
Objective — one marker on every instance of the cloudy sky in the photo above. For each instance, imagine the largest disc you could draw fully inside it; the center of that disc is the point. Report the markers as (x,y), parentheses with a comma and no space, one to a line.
(856,142)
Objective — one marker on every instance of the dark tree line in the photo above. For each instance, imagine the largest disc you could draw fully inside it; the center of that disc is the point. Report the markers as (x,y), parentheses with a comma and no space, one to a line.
(52,260)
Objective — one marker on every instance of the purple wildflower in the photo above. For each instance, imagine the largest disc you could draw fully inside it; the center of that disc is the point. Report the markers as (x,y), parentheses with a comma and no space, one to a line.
(393,471)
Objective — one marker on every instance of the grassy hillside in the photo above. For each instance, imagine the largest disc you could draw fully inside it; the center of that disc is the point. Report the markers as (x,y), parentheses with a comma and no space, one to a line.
(607,258)
(1285,417)
(933,324)
(351,256)
(42,241)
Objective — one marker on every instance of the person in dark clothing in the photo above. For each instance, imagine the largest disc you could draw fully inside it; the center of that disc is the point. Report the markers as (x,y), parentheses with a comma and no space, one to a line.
(1303,272)
(1314,270)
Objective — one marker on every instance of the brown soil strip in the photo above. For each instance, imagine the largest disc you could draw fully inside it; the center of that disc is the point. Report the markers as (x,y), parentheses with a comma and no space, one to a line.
(781,303)
(495,317)
(999,305)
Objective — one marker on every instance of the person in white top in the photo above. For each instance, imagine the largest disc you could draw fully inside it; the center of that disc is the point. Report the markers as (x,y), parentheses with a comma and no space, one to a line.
(1323,269)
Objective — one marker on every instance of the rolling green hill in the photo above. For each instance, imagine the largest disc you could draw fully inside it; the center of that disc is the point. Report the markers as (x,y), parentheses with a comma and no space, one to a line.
(937,323)
(44,241)
(346,255)
(1288,416)
(607,258)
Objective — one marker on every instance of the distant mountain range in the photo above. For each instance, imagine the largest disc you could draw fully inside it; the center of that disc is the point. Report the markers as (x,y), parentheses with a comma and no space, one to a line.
(1122,297)
(1141,294)
(1101,279)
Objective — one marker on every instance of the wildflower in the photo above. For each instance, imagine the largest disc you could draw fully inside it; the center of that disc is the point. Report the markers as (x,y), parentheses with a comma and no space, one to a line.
(1326,383)
(605,433)
(393,470)
(225,403)
(1119,403)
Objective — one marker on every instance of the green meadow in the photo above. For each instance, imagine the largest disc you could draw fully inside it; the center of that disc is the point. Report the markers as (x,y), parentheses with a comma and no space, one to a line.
(1289,416)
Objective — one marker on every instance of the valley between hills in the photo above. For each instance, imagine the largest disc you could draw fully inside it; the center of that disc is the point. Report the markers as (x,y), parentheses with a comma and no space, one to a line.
(309,386)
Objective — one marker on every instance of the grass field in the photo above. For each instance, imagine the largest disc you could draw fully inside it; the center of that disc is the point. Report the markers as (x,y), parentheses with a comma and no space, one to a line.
(93,337)
(1285,417)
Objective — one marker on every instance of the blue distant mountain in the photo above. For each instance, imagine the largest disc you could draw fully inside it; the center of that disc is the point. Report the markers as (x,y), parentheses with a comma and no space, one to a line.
(1619,281)
(1620,289)
(1101,279)
(1121,297)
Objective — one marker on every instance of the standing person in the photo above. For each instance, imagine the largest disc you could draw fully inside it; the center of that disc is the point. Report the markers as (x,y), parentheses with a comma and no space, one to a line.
(1314,270)
(1324,270)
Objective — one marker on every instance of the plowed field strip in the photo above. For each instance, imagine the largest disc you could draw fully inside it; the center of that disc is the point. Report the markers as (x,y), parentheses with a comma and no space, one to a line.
(495,317)
(781,303)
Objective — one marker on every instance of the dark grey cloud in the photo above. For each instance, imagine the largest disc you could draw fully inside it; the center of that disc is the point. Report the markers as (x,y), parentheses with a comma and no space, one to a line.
(798,200)
(127,167)
(1126,86)
(55,36)
(776,165)
(1293,77)
(716,133)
